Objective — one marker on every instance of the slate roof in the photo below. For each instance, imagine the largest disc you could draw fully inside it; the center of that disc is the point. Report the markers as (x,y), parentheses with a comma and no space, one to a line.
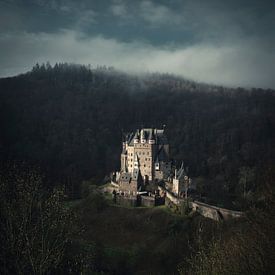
(181,172)
(158,134)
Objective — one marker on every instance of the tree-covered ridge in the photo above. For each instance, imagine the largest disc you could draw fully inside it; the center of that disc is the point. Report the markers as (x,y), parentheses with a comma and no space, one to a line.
(69,120)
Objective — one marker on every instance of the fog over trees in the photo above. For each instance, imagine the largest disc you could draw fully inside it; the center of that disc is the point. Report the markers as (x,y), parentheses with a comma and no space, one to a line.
(62,127)
(69,120)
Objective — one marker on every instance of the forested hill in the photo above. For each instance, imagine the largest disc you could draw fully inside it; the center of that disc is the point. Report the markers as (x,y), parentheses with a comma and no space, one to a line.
(69,120)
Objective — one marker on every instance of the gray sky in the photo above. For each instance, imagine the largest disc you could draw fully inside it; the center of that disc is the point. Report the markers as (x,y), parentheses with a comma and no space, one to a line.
(213,41)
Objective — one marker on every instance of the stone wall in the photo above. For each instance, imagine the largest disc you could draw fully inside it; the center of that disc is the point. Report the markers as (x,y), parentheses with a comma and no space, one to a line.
(147,201)
(109,188)
(214,212)
(126,200)
(170,196)
(206,210)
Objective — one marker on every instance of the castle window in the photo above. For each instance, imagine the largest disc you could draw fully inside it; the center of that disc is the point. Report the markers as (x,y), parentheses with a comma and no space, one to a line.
(144,165)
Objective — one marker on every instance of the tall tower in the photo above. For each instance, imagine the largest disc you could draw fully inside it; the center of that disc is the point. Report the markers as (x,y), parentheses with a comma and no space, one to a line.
(136,137)
(148,149)
(142,137)
(123,158)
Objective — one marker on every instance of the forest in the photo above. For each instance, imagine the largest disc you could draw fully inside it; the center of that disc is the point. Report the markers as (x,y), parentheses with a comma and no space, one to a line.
(62,127)
(69,121)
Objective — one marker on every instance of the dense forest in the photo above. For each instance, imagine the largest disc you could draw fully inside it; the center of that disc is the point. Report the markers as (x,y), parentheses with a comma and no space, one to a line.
(61,133)
(69,121)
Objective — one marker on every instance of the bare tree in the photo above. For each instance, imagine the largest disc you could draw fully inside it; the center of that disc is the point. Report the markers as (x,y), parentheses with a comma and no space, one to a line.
(35,225)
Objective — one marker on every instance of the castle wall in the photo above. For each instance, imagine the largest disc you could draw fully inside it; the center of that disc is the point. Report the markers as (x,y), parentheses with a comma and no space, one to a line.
(145,156)
(147,201)
(206,210)
(144,153)
(123,162)
(130,158)
(126,200)
(129,188)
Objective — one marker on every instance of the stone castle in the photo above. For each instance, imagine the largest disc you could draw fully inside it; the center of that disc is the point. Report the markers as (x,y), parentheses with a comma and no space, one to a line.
(145,162)
(148,178)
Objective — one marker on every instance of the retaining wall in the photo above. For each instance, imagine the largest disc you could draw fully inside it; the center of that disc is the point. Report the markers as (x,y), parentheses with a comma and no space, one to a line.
(147,201)
(126,200)
(214,212)
(206,210)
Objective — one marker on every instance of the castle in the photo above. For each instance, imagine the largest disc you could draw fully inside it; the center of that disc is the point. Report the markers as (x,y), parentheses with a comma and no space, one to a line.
(145,162)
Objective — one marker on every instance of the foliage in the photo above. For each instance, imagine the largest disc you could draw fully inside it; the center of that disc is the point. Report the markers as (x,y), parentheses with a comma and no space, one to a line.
(244,247)
(70,119)
(35,227)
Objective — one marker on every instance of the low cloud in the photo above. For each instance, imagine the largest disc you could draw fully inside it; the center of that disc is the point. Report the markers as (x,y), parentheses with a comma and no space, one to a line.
(244,63)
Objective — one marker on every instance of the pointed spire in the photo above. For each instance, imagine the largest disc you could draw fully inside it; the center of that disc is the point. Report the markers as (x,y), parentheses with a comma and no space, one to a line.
(136,137)
(152,137)
(142,136)
(157,164)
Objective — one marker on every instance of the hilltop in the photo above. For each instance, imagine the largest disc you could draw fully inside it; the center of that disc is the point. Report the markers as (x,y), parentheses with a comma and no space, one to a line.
(70,119)
(67,122)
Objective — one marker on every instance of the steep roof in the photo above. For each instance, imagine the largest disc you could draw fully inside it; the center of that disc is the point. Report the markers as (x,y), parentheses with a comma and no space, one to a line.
(161,155)
(181,172)
(158,134)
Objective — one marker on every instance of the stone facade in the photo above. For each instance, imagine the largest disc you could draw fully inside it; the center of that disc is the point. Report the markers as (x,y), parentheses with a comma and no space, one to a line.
(181,182)
(146,151)
(145,164)
(130,183)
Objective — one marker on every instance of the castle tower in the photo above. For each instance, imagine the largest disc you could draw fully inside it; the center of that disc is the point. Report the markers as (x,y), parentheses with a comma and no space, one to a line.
(147,149)
(151,139)
(123,158)
(136,137)
(142,136)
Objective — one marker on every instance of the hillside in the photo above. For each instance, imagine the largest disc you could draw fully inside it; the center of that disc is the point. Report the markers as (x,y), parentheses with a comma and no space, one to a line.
(69,121)
(63,126)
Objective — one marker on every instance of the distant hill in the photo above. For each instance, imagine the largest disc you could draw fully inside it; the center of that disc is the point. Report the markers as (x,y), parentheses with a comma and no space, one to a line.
(69,120)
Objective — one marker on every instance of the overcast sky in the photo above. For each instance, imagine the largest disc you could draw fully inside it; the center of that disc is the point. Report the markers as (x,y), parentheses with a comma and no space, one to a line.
(223,42)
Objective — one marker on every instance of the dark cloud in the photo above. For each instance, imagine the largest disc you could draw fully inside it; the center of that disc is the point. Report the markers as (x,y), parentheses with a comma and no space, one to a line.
(225,42)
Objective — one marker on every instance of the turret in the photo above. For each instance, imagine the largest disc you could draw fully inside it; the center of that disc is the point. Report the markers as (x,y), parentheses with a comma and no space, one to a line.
(157,164)
(124,147)
(123,158)
(136,162)
(136,137)
(142,136)
(151,139)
